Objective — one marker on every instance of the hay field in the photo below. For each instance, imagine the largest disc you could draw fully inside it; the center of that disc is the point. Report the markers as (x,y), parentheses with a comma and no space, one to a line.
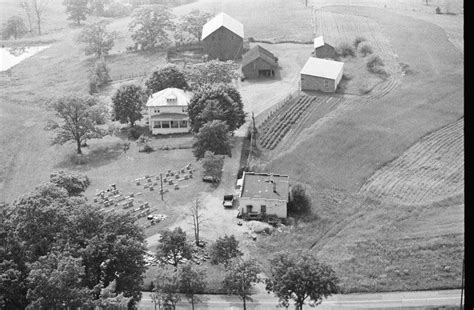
(373,242)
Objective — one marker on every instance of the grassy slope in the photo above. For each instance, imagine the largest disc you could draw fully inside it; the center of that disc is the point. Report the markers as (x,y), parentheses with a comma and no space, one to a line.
(344,152)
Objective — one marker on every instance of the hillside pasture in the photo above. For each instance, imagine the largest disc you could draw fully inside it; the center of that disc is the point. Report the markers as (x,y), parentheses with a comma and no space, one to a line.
(431,170)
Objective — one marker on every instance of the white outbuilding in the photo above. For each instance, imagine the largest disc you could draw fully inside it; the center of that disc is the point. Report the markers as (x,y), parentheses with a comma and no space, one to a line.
(321,75)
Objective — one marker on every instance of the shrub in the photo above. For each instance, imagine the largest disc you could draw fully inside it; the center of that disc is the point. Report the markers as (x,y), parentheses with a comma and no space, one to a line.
(99,76)
(375,65)
(345,50)
(117,10)
(300,203)
(358,40)
(438,10)
(365,49)
(134,133)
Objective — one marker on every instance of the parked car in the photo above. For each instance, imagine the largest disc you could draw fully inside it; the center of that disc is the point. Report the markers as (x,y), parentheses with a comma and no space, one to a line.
(209,178)
(228,201)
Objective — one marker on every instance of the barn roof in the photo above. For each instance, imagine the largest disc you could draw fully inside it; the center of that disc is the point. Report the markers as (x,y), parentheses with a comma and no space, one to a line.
(160,98)
(318,42)
(322,68)
(222,20)
(259,52)
(265,186)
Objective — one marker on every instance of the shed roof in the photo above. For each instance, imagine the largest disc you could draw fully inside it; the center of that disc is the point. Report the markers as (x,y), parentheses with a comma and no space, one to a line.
(222,20)
(322,68)
(160,98)
(259,52)
(319,41)
(261,185)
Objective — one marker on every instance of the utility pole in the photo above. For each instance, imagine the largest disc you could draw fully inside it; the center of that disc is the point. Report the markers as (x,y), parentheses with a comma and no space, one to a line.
(462,284)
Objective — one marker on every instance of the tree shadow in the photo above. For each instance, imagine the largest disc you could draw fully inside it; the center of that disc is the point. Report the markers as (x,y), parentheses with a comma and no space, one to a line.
(96,157)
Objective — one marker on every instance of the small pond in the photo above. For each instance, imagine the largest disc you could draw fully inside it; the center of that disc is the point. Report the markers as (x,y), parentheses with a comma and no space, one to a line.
(10,56)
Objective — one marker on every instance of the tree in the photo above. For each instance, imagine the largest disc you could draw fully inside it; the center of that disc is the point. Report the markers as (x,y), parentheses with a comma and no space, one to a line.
(26,6)
(213,137)
(129,101)
(300,276)
(212,165)
(167,286)
(169,76)
(55,281)
(212,72)
(149,26)
(109,299)
(191,282)
(97,7)
(217,100)
(74,183)
(173,245)
(224,250)
(39,8)
(77,10)
(99,76)
(143,143)
(240,277)
(197,220)
(78,122)
(192,23)
(98,41)
(13,27)
(300,203)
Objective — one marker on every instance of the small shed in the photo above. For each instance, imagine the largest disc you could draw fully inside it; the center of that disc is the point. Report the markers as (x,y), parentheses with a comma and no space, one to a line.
(323,49)
(321,74)
(259,62)
(223,38)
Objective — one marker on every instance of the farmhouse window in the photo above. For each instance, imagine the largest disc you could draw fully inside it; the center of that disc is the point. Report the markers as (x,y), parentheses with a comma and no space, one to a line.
(184,110)
(156,124)
(165,124)
(183,124)
(157,110)
(249,208)
(174,124)
(263,209)
(326,84)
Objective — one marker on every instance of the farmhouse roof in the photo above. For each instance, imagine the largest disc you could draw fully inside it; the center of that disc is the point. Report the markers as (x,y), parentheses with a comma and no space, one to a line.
(259,52)
(322,68)
(222,20)
(167,97)
(319,41)
(265,186)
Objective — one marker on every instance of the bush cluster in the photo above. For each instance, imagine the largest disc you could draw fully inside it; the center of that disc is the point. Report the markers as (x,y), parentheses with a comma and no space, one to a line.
(376,65)
(345,50)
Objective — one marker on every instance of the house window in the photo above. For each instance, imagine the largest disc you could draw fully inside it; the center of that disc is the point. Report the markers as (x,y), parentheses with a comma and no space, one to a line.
(156,124)
(183,124)
(263,209)
(165,124)
(326,84)
(157,110)
(174,124)
(184,110)
(249,208)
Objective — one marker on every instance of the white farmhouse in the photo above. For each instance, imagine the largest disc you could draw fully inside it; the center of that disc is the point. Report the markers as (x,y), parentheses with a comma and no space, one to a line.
(168,111)
(263,193)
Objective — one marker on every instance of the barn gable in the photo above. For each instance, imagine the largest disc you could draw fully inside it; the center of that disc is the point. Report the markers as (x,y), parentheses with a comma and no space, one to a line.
(222,20)
(259,52)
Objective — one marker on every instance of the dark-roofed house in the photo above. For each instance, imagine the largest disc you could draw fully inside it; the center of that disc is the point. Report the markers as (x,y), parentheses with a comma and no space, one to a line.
(263,193)
(323,49)
(259,62)
(223,38)
(321,74)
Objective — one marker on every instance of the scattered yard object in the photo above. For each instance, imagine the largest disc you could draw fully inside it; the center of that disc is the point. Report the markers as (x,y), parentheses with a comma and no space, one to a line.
(228,201)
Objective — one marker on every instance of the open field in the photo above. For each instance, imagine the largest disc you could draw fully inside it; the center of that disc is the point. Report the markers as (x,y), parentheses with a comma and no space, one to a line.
(336,156)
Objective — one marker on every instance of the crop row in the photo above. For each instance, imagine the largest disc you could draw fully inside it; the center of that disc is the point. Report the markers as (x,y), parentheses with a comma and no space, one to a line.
(431,170)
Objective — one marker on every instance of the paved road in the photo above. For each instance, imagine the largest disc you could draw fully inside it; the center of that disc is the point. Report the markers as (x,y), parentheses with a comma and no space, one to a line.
(395,300)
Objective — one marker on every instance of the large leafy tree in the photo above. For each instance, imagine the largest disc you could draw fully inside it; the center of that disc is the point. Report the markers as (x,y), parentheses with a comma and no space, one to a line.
(79,123)
(192,281)
(240,277)
(97,7)
(167,286)
(212,72)
(13,27)
(212,165)
(213,137)
(77,10)
(224,250)
(150,25)
(299,276)
(96,39)
(192,23)
(173,245)
(55,281)
(129,101)
(216,101)
(169,76)
(74,183)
